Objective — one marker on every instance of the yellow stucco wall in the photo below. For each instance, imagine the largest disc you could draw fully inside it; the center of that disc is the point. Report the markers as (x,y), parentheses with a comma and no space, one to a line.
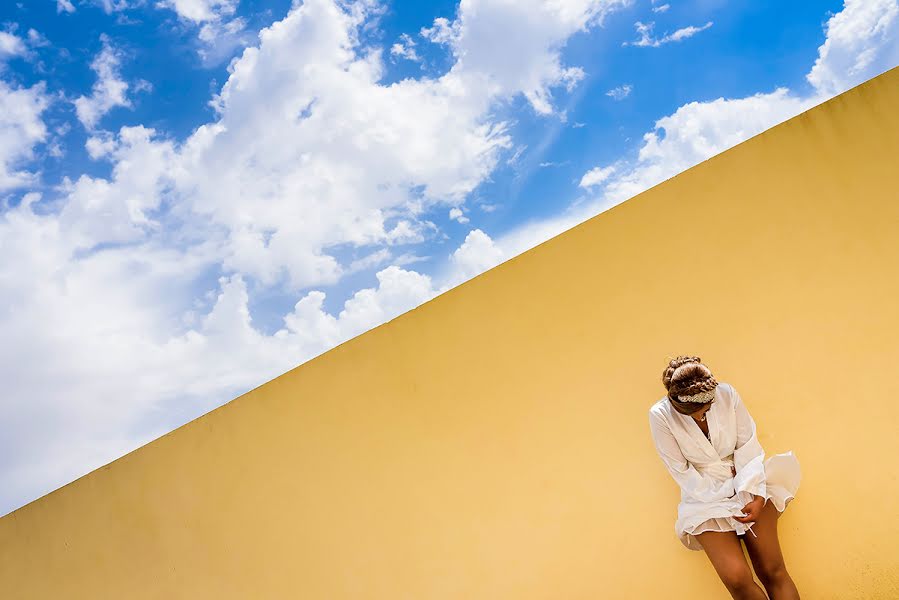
(493,443)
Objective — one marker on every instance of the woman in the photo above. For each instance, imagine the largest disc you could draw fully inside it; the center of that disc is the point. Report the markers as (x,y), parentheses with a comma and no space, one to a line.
(707,440)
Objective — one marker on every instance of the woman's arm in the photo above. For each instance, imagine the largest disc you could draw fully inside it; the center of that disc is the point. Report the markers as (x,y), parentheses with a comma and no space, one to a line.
(749,456)
(697,485)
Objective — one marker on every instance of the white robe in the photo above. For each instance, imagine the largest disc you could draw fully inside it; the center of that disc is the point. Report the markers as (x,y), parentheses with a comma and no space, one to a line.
(710,494)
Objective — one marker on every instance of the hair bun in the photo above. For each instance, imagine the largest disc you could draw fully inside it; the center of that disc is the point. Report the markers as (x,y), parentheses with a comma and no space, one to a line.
(685,375)
(682,360)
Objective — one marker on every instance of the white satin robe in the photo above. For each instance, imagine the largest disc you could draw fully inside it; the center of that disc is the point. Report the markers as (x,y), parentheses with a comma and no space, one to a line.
(710,494)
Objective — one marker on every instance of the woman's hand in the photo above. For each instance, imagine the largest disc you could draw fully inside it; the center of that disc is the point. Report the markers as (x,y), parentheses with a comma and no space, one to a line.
(752,510)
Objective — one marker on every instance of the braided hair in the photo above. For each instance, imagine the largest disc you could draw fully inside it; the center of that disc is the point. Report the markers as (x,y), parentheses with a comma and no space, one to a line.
(685,376)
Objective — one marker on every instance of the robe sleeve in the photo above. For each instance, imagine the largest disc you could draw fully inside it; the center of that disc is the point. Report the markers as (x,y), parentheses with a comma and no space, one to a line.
(749,456)
(696,485)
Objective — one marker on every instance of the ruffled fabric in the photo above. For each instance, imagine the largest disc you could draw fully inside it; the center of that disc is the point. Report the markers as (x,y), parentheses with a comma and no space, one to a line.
(779,479)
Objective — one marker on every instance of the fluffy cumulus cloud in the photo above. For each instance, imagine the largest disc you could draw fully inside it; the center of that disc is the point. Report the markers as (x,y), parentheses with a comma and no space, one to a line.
(697,131)
(862,39)
(310,151)
(528,60)
(21,129)
(457,214)
(128,296)
(100,354)
(405,48)
(119,209)
(219,30)
(109,90)
(596,176)
(82,352)
(476,254)
(10,45)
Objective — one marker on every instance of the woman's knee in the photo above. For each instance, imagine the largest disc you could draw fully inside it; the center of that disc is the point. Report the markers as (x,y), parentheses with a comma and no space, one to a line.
(737,578)
(771,572)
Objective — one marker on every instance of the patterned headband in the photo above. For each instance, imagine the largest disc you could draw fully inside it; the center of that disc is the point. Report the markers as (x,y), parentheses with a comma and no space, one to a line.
(700,398)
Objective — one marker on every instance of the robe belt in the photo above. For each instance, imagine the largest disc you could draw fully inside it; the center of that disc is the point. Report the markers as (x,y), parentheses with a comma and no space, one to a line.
(719,468)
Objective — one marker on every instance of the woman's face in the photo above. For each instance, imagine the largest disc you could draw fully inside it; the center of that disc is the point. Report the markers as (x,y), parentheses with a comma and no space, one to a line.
(699,413)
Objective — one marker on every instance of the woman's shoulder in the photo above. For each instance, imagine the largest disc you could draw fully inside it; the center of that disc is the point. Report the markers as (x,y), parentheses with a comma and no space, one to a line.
(660,407)
(726,388)
(727,393)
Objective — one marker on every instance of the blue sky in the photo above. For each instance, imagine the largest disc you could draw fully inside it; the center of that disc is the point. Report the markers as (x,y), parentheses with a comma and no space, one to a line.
(198,195)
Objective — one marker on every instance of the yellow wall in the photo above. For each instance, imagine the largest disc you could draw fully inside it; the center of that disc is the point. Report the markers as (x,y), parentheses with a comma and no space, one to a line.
(493,443)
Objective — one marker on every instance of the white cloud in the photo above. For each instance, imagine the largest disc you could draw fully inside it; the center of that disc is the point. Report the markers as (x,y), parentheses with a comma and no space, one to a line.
(661,8)
(476,254)
(862,39)
(320,153)
(109,91)
(647,40)
(621,92)
(111,367)
(697,131)
(220,31)
(371,261)
(405,48)
(111,6)
(98,211)
(596,176)
(456,214)
(220,38)
(11,45)
(443,31)
(65,6)
(200,11)
(685,32)
(81,353)
(101,145)
(333,142)
(36,39)
(21,129)
(528,60)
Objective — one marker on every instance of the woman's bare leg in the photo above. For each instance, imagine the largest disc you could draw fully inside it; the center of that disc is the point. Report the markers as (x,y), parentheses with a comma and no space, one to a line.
(724,550)
(767,559)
